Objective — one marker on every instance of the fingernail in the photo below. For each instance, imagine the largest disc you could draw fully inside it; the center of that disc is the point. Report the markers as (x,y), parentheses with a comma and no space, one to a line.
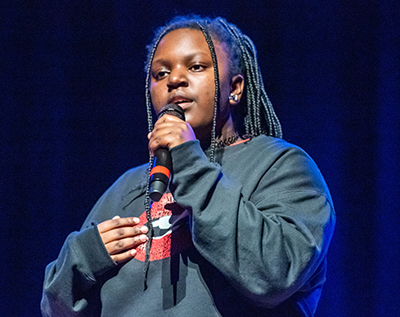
(116,217)
(133,252)
(143,238)
(144,229)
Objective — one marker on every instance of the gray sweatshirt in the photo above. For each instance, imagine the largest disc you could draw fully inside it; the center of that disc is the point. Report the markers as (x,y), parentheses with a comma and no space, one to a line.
(245,236)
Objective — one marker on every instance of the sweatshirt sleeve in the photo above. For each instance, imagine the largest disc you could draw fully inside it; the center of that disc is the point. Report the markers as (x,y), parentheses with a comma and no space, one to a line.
(267,242)
(71,282)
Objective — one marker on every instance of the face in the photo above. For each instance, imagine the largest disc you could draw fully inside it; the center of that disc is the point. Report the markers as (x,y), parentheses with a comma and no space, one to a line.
(182,72)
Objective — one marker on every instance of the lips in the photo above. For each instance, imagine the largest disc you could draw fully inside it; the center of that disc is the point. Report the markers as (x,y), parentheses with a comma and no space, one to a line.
(180,100)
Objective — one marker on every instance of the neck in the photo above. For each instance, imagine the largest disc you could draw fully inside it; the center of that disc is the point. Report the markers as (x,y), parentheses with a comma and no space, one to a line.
(225,135)
(227,141)
(227,130)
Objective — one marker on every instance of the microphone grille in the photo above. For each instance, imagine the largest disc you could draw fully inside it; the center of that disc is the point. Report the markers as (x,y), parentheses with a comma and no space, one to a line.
(173,110)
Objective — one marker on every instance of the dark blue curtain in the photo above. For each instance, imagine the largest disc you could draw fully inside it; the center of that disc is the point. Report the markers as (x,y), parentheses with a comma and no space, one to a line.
(73,120)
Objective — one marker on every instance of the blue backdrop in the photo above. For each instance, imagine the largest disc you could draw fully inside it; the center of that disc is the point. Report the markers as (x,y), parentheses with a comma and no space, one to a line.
(73,119)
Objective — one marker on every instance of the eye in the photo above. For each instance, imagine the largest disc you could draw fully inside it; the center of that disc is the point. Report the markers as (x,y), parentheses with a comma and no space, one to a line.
(160,74)
(197,68)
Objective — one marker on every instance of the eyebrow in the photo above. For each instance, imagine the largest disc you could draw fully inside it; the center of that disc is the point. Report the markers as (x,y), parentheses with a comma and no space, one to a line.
(186,58)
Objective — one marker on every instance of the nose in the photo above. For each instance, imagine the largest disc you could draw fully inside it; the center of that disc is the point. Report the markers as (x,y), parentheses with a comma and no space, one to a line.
(177,78)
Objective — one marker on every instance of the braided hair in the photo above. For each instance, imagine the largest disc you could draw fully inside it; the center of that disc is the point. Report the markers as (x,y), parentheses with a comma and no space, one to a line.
(254,117)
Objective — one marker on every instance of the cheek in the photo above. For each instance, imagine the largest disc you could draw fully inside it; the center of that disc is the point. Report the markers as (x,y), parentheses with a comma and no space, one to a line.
(208,88)
(153,90)
(224,91)
(156,95)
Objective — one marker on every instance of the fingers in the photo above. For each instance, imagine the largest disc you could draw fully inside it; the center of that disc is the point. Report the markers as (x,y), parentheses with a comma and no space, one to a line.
(116,247)
(124,257)
(121,233)
(121,236)
(170,131)
(117,222)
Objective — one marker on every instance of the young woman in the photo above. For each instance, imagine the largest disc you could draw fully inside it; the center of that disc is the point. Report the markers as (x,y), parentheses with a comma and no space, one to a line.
(245,225)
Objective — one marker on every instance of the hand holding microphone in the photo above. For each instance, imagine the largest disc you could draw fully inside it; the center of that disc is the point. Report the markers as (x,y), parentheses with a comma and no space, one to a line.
(169,131)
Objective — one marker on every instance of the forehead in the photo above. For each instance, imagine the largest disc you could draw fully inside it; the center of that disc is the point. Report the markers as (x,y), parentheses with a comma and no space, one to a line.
(182,41)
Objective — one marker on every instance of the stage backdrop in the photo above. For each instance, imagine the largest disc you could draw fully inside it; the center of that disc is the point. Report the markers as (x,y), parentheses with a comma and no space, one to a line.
(73,120)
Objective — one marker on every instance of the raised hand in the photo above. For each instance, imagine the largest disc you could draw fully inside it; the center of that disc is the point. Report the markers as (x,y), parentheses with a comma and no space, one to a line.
(170,131)
(121,237)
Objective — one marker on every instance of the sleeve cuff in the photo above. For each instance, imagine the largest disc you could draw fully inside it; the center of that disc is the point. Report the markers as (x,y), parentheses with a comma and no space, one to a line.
(186,155)
(92,252)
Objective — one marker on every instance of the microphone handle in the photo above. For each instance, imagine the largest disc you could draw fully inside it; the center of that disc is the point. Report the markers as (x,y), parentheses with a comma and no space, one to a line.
(162,166)
(160,173)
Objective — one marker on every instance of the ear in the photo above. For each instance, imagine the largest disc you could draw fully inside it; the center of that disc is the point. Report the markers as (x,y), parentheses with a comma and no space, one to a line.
(237,86)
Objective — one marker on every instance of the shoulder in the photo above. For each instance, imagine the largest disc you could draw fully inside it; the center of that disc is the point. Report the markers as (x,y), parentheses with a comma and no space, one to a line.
(132,182)
(285,154)
(273,145)
(133,179)
(293,166)
(268,151)
(274,164)
(129,186)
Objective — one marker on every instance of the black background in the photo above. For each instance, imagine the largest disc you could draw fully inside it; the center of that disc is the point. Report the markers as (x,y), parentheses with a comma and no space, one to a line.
(73,119)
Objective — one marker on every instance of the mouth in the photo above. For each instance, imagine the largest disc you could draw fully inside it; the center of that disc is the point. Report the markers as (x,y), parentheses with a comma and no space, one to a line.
(181,101)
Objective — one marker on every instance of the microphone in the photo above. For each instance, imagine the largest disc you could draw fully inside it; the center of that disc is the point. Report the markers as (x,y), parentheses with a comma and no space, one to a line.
(162,165)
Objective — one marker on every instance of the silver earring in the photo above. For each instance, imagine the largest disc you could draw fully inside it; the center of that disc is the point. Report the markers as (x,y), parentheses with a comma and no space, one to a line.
(233,97)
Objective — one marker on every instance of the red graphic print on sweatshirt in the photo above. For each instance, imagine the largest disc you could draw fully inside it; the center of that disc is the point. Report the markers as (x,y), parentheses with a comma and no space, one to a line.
(171,230)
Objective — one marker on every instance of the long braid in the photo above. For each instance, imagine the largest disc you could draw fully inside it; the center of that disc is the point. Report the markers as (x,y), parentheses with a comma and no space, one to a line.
(256,80)
(251,91)
(151,125)
(150,233)
(256,95)
(148,71)
(216,95)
